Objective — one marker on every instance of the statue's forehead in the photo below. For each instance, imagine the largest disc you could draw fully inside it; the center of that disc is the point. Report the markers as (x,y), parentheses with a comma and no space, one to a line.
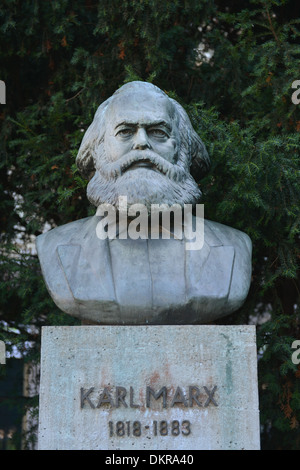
(142,108)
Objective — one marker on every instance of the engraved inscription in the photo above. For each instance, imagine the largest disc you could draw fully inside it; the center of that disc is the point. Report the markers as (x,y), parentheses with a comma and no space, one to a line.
(164,397)
(156,428)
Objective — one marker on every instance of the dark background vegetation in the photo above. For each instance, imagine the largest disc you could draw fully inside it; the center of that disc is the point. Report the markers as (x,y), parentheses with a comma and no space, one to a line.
(61,59)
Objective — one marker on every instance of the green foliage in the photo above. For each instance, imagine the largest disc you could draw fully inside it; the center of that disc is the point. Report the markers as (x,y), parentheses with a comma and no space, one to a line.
(61,59)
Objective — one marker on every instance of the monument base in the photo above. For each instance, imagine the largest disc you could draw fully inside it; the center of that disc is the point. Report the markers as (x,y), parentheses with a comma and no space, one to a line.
(183,387)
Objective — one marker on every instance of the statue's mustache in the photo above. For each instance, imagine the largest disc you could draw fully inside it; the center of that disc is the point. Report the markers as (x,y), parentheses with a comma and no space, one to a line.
(144,158)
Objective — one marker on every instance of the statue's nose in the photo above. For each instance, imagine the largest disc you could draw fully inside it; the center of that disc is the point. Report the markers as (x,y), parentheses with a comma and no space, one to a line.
(141,140)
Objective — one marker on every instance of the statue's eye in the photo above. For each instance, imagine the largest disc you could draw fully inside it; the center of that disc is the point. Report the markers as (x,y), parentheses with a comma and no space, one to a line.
(125,132)
(157,133)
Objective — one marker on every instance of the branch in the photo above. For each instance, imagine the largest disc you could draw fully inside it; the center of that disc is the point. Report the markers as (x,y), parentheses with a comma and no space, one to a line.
(75,96)
(272,28)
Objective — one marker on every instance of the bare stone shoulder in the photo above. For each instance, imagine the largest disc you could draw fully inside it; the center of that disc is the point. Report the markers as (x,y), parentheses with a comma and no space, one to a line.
(231,235)
(52,271)
(242,262)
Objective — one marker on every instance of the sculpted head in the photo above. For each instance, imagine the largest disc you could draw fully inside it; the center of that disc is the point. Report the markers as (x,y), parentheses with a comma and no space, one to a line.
(141,144)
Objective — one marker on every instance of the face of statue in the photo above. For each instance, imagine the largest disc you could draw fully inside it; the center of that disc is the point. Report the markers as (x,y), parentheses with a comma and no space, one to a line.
(141,123)
(138,156)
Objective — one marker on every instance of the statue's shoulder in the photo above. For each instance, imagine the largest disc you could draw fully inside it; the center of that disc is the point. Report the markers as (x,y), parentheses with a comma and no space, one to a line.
(62,235)
(231,238)
(228,236)
(47,246)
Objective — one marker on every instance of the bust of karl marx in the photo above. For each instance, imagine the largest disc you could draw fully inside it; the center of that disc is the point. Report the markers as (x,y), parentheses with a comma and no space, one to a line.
(141,145)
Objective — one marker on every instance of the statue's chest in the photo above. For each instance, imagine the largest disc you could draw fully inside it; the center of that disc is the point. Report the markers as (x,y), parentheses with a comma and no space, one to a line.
(148,272)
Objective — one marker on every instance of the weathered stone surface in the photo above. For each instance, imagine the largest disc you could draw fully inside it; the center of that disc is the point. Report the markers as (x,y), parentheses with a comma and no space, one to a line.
(149,387)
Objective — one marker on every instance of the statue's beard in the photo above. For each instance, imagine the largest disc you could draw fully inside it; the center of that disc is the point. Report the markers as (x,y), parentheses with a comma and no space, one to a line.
(158,182)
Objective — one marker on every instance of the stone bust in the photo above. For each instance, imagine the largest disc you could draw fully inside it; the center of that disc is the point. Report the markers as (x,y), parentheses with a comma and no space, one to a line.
(141,145)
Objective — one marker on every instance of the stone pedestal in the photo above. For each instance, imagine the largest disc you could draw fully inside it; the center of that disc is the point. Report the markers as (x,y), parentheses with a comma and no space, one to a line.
(149,387)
